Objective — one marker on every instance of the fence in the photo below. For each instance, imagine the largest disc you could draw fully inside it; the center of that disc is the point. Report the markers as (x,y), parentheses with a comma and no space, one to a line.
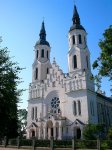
(34,144)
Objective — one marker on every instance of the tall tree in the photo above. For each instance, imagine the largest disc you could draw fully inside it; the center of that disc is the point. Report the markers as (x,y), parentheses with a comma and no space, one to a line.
(104,62)
(9,94)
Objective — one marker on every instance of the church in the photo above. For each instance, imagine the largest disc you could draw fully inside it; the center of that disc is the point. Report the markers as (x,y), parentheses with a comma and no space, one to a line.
(59,104)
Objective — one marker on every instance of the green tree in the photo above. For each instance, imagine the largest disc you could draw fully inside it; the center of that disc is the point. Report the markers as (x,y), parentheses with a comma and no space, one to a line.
(9,94)
(92,131)
(110,134)
(22,115)
(104,62)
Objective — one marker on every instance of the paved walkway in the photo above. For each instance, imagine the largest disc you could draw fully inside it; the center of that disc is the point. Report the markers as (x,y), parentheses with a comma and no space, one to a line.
(28,149)
(1,148)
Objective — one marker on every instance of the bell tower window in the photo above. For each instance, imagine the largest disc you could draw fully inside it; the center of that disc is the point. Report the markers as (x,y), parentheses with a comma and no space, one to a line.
(37,53)
(47,70)
(80,39)
(42,53)
(75,61)
(36,74)
(85,40)
(47,54)
(73,39)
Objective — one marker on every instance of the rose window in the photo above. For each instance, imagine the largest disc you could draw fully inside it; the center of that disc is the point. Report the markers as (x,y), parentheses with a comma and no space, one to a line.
(55,102)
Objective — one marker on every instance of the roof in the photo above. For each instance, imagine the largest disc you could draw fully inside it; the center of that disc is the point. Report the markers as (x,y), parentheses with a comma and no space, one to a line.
(104,97)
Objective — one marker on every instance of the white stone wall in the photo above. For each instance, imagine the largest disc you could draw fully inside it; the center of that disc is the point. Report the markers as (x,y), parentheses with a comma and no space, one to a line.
(42,63)
(76,33)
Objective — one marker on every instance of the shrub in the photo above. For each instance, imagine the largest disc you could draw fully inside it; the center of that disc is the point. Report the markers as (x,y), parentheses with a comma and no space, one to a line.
(42,143)
(27,142)
(62,144)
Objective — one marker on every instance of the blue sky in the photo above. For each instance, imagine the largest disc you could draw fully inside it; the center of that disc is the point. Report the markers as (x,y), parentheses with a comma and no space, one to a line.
(20,23)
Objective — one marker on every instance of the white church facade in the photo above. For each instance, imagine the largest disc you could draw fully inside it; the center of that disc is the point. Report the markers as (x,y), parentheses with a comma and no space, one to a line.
(60,104)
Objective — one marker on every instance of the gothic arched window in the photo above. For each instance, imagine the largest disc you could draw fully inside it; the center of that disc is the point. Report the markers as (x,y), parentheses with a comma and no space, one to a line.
(79,107)
(80,39)
(87,61)
(32,113)
(36,73)
(35,112)
(42,53)
(74,108)
(73,39)
(75,61)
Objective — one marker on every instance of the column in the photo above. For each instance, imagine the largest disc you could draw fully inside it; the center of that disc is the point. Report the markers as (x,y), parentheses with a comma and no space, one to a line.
(36,132)
(54,132)
(39,133)
(49,133)
(73,85)
(81,133)
(60,133)
(28,134)
(65,87)
(45,132)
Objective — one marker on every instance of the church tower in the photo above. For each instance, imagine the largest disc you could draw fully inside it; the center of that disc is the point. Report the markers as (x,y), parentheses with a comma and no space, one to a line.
(41,65)
(78,55)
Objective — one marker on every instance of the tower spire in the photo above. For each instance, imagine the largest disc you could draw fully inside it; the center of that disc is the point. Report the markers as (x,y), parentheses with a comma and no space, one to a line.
(42,32)
(75,18)
(42,40)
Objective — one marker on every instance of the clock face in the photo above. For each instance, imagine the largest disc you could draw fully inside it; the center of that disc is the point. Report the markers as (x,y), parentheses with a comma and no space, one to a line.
(55,102)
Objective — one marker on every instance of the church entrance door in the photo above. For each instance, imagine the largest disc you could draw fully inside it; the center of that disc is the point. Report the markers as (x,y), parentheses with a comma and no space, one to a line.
(78,133)
(33,133)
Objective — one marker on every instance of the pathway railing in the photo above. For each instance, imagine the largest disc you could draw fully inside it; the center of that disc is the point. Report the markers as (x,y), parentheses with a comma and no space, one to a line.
(52,144)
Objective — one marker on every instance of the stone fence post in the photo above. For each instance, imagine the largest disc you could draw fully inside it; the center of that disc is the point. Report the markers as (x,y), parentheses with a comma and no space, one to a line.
(33,144)
(73,144)
(98,144)
(18,142)
(5,141)
(51,143)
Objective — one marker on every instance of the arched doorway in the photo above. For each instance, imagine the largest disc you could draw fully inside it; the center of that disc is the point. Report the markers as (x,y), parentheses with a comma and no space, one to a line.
(33,133)
(78,133)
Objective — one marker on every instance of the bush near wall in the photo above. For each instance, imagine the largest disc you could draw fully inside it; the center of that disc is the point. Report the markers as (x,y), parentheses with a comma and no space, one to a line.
(42,143)
(90,144)
(62,144)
